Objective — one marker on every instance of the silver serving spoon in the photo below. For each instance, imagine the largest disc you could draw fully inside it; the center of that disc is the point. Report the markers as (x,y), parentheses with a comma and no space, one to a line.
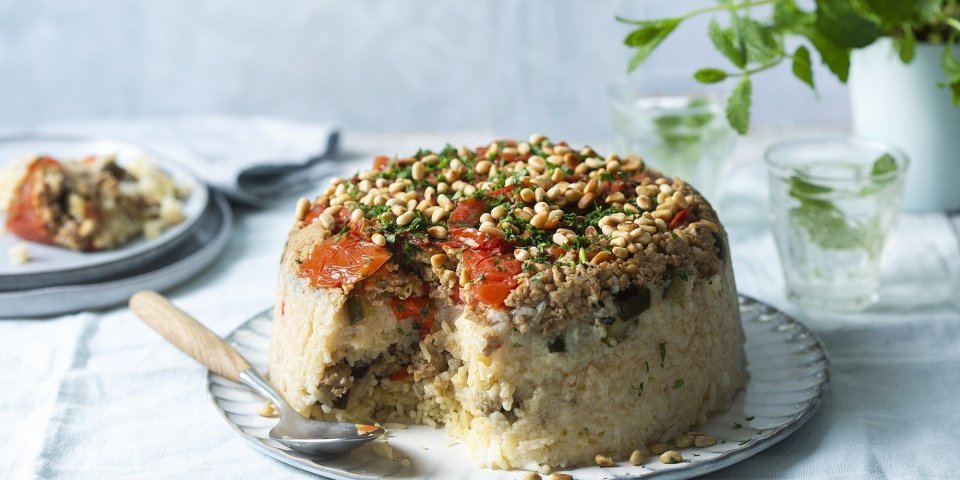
(313,437)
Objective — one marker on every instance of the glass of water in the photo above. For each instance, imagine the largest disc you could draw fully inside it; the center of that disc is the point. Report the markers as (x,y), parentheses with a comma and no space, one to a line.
(833,200)
(677,126)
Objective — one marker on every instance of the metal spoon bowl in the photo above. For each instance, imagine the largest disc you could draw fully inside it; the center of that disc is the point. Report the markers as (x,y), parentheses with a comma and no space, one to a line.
(312,437)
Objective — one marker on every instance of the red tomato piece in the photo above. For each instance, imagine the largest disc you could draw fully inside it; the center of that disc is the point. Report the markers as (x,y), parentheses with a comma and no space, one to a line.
(380,162)
(342,218)
(467,213)
(494,274)
(401,375)
(339,261)
(23,214)
(503,191)
(556,251)
(313,213)
(678,219)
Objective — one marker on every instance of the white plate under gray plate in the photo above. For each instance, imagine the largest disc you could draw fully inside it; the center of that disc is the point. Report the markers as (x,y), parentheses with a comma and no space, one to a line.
(52,265)
(189,258)
(789,372)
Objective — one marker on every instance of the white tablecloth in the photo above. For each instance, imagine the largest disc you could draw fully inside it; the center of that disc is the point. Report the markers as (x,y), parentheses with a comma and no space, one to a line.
(98,395)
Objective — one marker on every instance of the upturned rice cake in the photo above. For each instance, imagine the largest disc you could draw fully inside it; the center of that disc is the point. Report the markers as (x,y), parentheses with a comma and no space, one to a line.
(543,304)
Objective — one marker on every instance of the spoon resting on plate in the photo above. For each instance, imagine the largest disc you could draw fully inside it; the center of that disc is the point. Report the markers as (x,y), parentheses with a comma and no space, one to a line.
(312,437)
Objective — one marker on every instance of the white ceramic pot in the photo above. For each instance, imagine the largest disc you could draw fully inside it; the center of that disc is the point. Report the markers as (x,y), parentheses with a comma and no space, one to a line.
(902,104)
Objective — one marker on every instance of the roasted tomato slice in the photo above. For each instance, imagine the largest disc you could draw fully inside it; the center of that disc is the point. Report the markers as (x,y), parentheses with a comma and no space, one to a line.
(23,215)
(467,213)
(493,273)
(343,260)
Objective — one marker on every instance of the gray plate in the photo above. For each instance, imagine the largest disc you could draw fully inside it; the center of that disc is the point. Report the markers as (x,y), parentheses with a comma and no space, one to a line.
(789,372)
(189,257)
(52,265)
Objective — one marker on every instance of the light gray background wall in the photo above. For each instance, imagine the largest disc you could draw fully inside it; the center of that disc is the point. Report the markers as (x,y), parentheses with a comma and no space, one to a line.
(509,66)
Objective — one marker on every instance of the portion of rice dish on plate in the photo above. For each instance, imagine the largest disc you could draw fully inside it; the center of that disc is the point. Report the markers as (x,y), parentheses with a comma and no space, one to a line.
(88,204)
(544,304)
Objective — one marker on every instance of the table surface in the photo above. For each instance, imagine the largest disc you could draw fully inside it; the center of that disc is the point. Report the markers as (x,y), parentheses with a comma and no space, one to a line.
(98,395)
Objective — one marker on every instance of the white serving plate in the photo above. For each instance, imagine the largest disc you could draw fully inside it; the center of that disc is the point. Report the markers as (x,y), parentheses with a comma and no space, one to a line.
(52,265)
(789,372)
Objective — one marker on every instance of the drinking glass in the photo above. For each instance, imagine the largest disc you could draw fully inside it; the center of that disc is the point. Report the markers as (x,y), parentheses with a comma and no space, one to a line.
(833,200)
(677,127)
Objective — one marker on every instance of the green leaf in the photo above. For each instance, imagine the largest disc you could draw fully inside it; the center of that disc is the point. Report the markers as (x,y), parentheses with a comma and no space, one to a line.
(761,44)
(787,16)
(892,11)
(802,189)
(952,68)
(835,57)
(907,44)
(840,21)
(738,106)
(728,43)
(801,66)
(647,37)
(710,75)
(883,165)
(949,62)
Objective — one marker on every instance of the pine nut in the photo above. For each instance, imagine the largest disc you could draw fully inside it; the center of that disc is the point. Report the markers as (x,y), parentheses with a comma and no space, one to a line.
(539,220)
(491,229)
(303,206)
(483,166)
(378,239)
(603,460)
(438,260)
(671,457)
(327,221)
(600,257)
(405,219)
(437,231)
(702,441)
(418,171)
(586,200)
(658,448)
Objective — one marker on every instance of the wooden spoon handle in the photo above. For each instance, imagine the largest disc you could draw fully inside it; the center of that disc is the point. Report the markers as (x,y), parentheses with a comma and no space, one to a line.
(187,334)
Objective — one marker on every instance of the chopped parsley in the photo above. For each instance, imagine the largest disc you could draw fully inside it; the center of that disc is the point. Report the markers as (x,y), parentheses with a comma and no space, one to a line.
(663,353)
(678,383)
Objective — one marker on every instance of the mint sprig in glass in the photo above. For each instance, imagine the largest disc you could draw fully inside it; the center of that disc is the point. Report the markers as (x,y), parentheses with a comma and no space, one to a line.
(833,202)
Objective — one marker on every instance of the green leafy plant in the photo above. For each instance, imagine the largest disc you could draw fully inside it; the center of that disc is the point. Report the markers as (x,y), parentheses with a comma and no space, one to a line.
(833,29)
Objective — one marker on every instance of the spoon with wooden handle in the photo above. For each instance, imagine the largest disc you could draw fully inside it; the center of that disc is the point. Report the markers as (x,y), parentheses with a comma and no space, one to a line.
(313,437)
